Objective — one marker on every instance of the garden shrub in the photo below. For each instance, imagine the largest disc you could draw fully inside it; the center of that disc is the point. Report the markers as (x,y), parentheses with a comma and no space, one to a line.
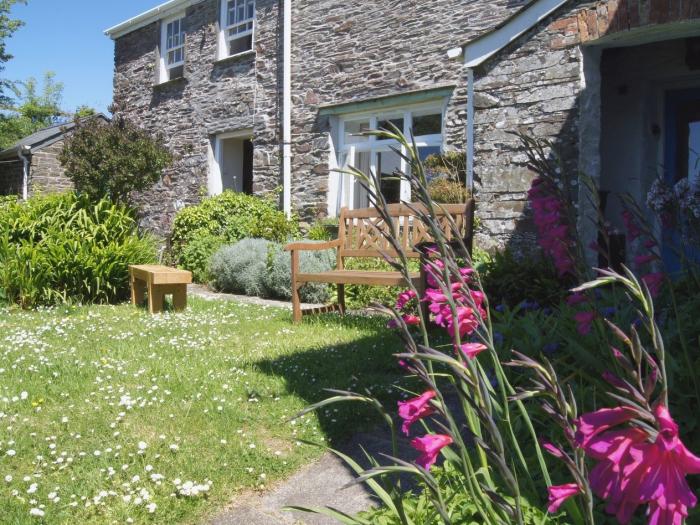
(324,229)
(278,279)
(229,217)
(447,191)
(361,296)
(63,248)
(512,280)
(241,267)
(113,160)
(197,254)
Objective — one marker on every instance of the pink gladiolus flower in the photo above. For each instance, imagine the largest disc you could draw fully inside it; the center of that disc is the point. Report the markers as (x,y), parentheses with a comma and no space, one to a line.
(576,298)
(411,320)
(590,425)
(633,229)
(558,494)
(633,470)
(654,282)
(584,320)
(641,260)
(404,298)
(414,409)
(430,446)
(471,350)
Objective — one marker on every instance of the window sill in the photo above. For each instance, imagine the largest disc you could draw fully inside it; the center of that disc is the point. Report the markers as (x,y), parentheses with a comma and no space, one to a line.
(233,58)
(161,85)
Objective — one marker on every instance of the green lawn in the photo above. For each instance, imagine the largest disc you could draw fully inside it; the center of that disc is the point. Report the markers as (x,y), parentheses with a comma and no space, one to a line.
(106,412)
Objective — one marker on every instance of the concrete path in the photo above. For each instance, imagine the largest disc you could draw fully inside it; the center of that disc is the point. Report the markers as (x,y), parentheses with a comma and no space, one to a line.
(200,290)
(321,484)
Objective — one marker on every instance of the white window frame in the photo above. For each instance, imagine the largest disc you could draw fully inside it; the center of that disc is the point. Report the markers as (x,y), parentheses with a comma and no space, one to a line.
(339,192)
(225,27)
(164,50)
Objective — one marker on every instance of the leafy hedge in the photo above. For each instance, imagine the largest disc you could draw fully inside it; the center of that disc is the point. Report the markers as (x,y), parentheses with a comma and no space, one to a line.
(62,248)
(225,219)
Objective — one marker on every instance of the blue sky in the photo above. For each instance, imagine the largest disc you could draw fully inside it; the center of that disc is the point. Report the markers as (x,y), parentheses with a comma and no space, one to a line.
(67,37)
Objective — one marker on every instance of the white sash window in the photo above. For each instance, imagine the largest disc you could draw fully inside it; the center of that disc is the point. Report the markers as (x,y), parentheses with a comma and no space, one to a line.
(172,61)
(237,27)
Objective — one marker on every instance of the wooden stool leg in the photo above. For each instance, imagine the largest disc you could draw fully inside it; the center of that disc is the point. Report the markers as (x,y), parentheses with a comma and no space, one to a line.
(341,298)
(296,299)
(155,299)
(180,297)
(138,289)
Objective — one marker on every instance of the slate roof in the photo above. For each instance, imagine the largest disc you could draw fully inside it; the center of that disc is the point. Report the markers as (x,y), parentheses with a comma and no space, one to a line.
(44,137)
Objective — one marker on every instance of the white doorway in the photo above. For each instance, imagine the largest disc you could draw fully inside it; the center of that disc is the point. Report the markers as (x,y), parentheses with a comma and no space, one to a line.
(231,163)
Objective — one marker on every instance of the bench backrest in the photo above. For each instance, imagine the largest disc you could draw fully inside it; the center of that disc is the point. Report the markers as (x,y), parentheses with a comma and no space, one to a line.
(360,231)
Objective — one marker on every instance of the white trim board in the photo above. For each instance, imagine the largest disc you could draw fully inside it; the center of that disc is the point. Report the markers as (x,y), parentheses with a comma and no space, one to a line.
(164,10)
(478,51)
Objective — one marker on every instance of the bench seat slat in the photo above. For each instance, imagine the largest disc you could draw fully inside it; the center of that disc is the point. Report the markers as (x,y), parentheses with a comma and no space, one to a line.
(357,277)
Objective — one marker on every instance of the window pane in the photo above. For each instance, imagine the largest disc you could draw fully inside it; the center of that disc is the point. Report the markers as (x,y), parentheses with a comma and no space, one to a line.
(387,124)
(425,152)
(389,169)
(427,124)
(239,45)
(353,128)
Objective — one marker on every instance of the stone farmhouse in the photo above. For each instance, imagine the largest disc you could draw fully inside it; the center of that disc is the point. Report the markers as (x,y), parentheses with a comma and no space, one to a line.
(254,95)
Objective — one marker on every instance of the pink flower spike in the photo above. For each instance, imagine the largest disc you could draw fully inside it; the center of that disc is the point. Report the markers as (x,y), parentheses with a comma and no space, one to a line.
(654,282)
(553,449)
(576,298)
(430,446)
(584,320)
(471,350)
(641,260)
(404,298)
(558,494)
(414,409)
(411,320)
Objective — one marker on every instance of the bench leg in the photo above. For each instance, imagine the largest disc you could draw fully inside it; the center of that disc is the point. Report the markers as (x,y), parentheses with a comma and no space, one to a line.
(341,298)
(296,300)
(180,297)
(138,289)
(155,299)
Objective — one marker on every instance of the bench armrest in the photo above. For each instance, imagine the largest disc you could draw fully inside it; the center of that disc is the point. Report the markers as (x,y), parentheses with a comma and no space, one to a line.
(306,245)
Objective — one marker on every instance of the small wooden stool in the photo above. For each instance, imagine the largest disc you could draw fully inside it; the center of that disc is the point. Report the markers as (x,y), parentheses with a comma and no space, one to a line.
(160,281)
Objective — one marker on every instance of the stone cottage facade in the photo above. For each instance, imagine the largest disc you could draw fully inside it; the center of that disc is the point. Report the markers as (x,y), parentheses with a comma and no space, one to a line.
(599,79)
(31,167)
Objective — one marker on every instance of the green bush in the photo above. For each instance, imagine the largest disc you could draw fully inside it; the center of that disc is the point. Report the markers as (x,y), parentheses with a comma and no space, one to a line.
(63,248)
(278,279)
(197,255)
(324,230)
(113,160)
(510,280)
(357,296)
(230,217)
(447,191)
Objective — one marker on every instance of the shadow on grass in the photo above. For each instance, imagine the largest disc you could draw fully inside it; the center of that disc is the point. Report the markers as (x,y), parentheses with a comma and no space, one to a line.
(366,365)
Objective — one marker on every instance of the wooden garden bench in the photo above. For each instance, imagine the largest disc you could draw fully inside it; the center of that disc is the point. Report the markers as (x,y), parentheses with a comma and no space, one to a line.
(359,235)
(159,281)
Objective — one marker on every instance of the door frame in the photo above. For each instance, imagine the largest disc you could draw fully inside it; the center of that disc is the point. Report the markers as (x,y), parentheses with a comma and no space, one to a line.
(216,152)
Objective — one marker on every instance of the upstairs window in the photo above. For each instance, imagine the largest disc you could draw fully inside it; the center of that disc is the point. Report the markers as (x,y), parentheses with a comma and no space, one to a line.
(172,49)
(237,27)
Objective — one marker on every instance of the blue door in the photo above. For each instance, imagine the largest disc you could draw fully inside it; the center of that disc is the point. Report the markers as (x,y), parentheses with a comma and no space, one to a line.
(681,159)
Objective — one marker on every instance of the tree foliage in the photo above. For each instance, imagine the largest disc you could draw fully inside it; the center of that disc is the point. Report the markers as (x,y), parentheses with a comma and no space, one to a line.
(113,160)
(8,26)
(31,111)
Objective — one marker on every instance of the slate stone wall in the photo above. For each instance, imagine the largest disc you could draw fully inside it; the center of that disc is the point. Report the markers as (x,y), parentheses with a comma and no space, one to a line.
(355,50)
(343,51)
(46,174)
(11,176)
